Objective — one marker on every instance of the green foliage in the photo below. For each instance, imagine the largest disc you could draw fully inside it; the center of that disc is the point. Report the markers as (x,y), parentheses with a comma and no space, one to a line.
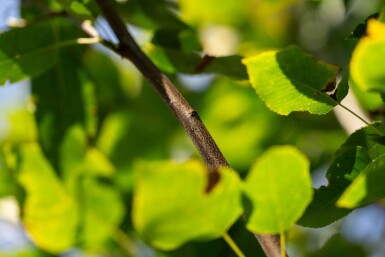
(28,52)
(358,156)
(47,203)
(337,246)
(279,186)
(289,80)
(370,51)
(97,163)
(167,195)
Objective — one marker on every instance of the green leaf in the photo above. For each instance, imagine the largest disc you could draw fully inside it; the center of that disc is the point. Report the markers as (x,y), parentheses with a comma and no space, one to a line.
(7,179)
(289,80)
(100,204)
(343,87)
(279,187)
(47,204)
(230,66)
(27,52)
(82,9)
(171,207)
(17,121)
(366,187)
(344,169)
(361,154)
(366,66)
(104,74)
(60,96)
(103,211)
(78,159)
(360,30)
(173,61)
(371,101)
(185,40)
(151,14)
(337,246)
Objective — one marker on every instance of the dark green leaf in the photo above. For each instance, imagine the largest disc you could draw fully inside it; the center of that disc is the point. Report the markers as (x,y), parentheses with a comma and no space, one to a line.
(28,52)
(173,61)
(337,247)
(360,154)
(151,14)
(175,38)
(60,96)
(360,30)
(343,87)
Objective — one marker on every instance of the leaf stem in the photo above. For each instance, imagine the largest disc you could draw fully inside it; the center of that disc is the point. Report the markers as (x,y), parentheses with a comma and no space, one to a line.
(124,241)
(283,243)
(362,119)
(233,245)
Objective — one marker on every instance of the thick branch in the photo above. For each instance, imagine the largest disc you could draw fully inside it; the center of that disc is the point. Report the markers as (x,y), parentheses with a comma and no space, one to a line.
(188,117)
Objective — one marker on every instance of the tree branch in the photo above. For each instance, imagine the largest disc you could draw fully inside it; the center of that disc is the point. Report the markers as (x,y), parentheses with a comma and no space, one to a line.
(188,117)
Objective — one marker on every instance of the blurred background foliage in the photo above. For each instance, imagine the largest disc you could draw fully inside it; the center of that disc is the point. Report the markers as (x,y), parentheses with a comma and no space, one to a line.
(94,117)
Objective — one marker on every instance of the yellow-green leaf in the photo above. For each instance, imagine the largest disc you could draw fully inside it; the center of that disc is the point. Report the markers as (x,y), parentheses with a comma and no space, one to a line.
(49,213)
(279,187)
(171,207)
(366,66)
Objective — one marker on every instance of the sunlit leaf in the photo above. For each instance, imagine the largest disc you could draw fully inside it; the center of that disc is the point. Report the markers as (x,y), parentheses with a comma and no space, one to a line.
(279,187)
(289,80)
(171,207)
(365,66)
(47,203)
(21,127)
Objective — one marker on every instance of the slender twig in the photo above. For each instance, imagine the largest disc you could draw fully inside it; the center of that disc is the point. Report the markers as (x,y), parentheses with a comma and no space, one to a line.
(188,117)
